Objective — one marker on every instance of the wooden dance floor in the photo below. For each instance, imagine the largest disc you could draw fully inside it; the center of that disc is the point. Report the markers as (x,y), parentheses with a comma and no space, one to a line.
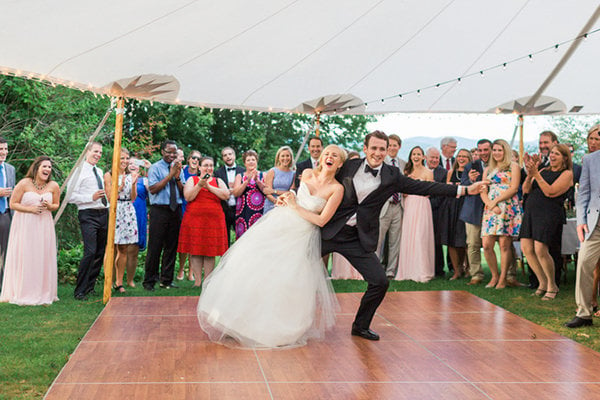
(435,345)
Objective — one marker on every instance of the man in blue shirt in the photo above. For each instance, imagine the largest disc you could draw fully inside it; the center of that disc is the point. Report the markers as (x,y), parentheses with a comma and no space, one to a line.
(166,188)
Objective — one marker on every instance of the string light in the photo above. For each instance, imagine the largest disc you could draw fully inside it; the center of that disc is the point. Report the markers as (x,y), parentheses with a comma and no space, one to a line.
(481,72)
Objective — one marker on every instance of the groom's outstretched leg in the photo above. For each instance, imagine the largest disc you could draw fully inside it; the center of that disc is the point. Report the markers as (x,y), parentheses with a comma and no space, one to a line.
(370,268)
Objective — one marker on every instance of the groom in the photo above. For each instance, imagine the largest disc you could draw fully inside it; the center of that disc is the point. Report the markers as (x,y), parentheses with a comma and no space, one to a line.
(354,228)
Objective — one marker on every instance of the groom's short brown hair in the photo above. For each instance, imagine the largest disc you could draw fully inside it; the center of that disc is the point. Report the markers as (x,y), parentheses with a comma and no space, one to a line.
(378,135)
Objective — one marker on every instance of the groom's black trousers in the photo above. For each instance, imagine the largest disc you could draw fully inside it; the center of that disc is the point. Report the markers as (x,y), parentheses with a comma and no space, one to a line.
(347,244)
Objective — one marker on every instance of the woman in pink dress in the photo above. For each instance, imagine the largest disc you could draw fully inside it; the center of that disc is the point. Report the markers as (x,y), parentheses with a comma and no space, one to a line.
(417,256)
(30,276)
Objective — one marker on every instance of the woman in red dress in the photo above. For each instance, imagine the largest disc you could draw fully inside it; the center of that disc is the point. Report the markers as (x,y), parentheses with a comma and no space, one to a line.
(203,230)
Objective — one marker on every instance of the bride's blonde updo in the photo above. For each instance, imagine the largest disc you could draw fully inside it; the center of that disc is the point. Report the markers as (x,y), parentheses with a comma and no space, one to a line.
(340,151)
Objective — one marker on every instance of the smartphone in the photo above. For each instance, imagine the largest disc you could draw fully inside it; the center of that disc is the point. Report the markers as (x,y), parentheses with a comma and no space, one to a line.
(206,176)
(139,163)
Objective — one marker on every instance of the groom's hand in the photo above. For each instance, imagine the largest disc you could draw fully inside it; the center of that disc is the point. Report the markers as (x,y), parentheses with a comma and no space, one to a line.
(476,187)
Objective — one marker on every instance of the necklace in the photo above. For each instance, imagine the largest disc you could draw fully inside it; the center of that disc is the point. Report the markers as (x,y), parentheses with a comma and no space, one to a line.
(39,188)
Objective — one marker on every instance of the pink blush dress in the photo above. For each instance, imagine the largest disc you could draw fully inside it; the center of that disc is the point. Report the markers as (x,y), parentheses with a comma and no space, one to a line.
(30,272)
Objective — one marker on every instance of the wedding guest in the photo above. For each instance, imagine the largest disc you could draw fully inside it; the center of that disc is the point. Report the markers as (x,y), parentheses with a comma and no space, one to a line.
(588,232)
(248,190)
(502,213)
(453,231)
(227,174)
(89,196)
(203,233)
(126,229)
(141,216)
(164,178)
(439,175)
(448,148)
(31,273)
(474,154)
(417,259)
(544,214)
(191,169)
(390,219)
(472,211)
(280,178)
(315,147)
(7,182)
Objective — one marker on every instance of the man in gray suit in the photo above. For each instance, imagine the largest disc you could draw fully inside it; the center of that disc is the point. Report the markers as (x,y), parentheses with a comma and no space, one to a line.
(7,182)
(588,231)
(390,219)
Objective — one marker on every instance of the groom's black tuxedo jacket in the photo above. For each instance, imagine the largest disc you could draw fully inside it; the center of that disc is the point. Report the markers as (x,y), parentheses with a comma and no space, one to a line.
(367,212)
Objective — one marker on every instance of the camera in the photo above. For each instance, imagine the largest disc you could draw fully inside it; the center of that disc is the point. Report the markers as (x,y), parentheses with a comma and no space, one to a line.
(139,163)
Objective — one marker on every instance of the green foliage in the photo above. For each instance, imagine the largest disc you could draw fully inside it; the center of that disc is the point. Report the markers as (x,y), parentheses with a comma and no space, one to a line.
(68,263)
(574,129)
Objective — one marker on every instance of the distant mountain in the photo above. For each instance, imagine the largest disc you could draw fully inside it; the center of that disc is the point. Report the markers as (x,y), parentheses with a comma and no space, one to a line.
(466,143)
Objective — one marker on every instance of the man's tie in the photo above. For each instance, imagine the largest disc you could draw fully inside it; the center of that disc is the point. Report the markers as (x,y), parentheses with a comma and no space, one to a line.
(370,170)
(2,184)
(172,194)
(447,164)
(100,185)
(395,196)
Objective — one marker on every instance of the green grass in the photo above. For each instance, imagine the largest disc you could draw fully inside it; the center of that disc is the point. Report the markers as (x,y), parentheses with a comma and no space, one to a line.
(36,342)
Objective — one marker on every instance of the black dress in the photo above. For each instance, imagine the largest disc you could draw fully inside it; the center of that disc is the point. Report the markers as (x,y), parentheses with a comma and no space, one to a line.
(544,216)
(452,229)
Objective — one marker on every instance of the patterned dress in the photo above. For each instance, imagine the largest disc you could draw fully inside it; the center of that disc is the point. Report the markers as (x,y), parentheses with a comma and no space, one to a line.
(249,207)
(508,222)
(126,230)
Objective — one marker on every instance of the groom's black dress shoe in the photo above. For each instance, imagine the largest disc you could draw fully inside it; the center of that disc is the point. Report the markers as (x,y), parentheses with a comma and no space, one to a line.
(365,334)
(578,322)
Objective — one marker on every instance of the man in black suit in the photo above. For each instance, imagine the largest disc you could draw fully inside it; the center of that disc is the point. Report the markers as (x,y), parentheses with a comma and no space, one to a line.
(227,173)
(7,183)
(439,175)
(448,148)
(315,147)
(353,229)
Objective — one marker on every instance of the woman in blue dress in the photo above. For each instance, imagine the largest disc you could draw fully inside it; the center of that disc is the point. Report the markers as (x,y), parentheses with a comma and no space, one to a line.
(279,179)
(141,213)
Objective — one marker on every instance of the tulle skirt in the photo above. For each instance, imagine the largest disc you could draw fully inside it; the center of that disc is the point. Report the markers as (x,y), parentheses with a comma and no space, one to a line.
(270,289)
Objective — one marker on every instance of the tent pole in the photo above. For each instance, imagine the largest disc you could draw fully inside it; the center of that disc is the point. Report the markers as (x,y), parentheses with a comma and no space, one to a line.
(318,124)
(109,261)
(73,172)
(589,25)
(521,143)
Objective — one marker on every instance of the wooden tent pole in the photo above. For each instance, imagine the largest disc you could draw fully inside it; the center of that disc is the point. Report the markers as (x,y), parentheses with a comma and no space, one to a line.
(109,261)
(521,143)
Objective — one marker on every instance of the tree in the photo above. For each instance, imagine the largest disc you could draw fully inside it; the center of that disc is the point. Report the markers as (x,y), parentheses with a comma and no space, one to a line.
(573,130)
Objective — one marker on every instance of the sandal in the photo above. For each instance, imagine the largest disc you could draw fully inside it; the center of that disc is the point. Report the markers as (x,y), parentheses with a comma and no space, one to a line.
(120,289)
(550,296)
(538,293)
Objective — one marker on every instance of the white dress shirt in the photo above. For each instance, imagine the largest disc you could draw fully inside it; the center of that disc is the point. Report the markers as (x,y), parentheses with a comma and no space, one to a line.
(230,178)
(85,187)
(364,184)
(314,162)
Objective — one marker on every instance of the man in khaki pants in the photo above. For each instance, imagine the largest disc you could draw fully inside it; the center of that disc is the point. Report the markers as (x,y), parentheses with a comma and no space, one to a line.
(588,231)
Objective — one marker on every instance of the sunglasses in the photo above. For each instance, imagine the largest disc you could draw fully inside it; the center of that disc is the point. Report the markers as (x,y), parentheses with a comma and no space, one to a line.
(195,158)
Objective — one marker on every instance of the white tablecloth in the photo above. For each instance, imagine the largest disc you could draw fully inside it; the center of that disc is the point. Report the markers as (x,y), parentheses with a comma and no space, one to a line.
(570,243)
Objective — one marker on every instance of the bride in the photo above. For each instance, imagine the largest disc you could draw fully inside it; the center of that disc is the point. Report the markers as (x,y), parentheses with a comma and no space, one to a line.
(270,289)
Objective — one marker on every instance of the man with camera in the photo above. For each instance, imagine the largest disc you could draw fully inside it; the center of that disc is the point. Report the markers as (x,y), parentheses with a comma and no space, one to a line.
(166,188)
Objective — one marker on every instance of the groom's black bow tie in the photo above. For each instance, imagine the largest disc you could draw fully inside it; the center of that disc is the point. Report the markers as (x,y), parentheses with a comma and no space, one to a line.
(368,169)
(230,168)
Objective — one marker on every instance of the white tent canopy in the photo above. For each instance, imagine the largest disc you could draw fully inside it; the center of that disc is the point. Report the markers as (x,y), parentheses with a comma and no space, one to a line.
(275,55)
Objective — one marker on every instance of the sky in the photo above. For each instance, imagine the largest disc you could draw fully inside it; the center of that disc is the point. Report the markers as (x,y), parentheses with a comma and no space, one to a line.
(474,126)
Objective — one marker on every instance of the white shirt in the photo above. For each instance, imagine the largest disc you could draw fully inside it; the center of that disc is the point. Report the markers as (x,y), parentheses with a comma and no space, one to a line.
(230,179)
(364,184)
(85,187)
(314,162)
(443,162)
(4,199)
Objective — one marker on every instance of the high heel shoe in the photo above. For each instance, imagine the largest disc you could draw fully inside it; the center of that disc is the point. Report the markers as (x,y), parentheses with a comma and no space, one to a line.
(538,293)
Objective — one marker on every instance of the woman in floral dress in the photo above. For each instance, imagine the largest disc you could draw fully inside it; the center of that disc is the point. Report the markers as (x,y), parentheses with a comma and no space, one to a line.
(502,213)
(248,190)
(126,229)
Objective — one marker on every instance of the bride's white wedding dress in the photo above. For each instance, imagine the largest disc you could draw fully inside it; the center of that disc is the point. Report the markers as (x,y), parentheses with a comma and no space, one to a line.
(270,289)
